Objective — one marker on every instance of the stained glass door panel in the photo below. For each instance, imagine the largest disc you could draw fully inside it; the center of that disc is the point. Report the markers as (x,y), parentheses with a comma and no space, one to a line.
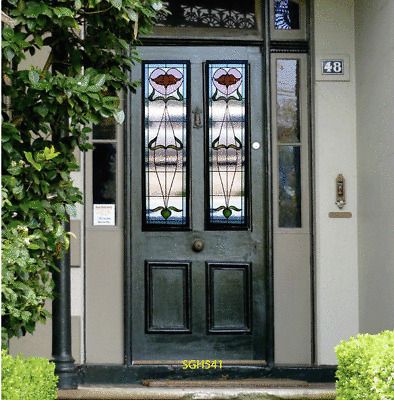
(197,273)
(227,144)
(165,115)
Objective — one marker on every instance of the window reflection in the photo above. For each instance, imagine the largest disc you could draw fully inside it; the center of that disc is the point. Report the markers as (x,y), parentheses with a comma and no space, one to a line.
(289,187)
(287,101)
(104,173)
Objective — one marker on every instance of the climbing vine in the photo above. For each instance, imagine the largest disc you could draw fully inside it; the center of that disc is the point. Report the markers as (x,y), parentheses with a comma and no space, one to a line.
(48,111)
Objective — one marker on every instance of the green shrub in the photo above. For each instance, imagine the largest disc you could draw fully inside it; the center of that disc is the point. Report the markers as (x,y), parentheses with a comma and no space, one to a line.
(366,367)
(27,378)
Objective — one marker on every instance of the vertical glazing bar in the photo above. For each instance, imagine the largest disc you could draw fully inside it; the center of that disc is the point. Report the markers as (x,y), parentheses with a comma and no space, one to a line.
(227,145)
(165,125)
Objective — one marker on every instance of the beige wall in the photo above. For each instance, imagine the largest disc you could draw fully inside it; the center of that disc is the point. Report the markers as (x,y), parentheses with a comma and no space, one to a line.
(335,152)
(375,147)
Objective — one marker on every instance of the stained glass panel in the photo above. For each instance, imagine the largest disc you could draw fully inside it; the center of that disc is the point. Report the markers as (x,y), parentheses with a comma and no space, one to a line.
(227,143)
(287,101)
(287,14)
(229,14)
(289,187)
(165,145)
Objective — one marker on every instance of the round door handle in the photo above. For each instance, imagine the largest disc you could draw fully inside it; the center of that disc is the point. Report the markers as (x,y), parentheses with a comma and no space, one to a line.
(198,245)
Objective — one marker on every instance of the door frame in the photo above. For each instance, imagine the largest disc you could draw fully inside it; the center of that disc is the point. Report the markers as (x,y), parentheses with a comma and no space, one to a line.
(267,47)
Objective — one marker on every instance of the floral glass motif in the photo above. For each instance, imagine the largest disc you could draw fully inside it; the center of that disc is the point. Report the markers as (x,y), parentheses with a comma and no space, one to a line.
(227,90)
(287,14)
(228,14)
(165,125)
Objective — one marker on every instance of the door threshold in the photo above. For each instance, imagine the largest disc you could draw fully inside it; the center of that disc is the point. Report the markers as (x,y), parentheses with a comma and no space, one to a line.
(225,383)
(254,363)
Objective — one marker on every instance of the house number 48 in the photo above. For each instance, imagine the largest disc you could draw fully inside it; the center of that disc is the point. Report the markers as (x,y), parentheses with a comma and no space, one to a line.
(332,67)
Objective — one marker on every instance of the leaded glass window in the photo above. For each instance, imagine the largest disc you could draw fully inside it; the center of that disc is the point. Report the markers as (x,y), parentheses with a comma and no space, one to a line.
(166,112)
(227,88)
(287,14)
(229,14)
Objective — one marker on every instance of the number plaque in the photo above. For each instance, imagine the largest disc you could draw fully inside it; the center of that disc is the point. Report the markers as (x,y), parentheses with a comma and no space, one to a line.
(332,67)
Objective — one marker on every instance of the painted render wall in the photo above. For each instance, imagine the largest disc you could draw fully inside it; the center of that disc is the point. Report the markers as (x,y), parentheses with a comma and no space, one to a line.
(375,148)
(336,279)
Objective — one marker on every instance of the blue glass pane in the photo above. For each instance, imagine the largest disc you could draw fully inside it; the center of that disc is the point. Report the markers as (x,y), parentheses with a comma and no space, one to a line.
(289,187)
(165,145)
(227,129)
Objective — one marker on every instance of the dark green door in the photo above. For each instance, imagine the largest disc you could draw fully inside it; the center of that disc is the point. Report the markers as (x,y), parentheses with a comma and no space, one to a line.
(198,279)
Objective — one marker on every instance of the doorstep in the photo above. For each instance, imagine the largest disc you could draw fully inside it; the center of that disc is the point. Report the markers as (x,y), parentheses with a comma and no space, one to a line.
(140,392)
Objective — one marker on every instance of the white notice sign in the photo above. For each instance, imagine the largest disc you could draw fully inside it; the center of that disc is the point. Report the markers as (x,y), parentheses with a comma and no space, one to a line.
(104,214)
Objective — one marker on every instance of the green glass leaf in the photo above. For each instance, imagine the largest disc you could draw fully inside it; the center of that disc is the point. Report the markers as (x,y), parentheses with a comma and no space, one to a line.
(166,213)
(157,209)
(235,208)
(227,212)
(174,209)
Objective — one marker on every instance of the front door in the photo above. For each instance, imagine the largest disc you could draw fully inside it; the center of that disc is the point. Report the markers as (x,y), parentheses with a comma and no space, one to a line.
(197,273)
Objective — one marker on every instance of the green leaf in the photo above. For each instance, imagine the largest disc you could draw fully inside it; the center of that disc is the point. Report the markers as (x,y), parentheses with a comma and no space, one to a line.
(61,12)
(98,82)
(8,53)
(116,3)
(34,9)
(34,76)
(30,159)
(42,110)
(33,246)
(50,153)
(71,210)
(119,117)
(132,15)
(8,33)
(78,4)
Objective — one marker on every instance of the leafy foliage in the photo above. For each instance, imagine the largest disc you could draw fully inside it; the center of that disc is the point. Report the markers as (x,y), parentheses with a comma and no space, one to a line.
(48,112)
(366,367)
(27,378)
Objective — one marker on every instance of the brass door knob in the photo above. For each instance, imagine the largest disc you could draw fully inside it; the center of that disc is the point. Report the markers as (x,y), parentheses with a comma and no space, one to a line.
(198,245)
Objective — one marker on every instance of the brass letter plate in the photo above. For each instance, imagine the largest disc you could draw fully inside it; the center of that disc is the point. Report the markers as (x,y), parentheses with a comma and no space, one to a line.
(340,214)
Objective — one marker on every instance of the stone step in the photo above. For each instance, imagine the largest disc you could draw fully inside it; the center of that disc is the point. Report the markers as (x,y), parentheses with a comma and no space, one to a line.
(139,392)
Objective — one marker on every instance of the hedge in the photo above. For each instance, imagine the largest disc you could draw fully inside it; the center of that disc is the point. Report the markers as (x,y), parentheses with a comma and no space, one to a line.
(27,378)
(366,367)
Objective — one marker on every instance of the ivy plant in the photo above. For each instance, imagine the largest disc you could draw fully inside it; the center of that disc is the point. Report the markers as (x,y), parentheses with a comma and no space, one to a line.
(48,112)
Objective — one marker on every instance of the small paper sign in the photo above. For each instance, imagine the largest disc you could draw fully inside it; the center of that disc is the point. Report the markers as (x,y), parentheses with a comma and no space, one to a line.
(104,214)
